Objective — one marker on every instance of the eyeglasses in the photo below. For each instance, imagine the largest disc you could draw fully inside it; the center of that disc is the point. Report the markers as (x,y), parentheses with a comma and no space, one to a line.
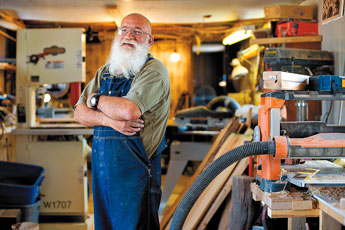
(123,31)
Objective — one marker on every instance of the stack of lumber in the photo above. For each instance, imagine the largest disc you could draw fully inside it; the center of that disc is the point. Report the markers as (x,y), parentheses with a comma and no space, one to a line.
(216,192)
(286,204)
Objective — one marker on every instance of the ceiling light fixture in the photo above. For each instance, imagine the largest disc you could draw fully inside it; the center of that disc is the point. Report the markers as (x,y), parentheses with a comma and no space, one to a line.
(175,57)
(237,36)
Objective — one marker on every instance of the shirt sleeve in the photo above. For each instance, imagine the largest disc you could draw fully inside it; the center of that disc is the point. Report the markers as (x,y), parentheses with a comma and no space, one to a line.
(149,89)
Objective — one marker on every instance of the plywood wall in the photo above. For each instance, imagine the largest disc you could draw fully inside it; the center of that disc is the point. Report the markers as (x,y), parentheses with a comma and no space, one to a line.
(181,76)
(180,72)
(97,54)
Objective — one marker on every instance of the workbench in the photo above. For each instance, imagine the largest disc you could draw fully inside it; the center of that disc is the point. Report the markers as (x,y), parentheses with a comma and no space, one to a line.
(295,206)
(331,215)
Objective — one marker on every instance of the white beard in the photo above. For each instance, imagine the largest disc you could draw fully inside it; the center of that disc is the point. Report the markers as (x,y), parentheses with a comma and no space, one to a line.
(127,60)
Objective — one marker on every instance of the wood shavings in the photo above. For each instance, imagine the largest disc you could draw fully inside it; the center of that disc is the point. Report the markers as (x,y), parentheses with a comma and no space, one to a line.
(331,193)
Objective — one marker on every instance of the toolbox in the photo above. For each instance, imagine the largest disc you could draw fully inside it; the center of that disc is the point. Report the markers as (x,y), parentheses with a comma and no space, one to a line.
(297,29)
(20,184)
(300,61)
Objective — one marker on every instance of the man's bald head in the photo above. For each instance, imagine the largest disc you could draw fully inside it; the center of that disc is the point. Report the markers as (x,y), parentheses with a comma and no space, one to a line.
(137,20)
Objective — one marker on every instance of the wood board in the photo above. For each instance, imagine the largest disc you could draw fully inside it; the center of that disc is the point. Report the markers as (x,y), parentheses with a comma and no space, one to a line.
(283,200)
(292,39)
(293,213)
(284,85)
(209,194)
(226,189)
(230,127)
(285,76)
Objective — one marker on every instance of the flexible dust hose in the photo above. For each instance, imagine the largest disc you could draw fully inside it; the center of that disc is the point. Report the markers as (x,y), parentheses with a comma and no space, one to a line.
(205,178)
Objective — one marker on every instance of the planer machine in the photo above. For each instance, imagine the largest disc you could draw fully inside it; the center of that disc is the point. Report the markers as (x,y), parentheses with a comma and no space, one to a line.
(275,140)
(294,140)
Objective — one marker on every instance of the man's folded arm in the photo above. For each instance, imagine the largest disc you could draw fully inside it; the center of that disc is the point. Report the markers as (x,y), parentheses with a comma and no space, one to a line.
(118,108)
(90,117)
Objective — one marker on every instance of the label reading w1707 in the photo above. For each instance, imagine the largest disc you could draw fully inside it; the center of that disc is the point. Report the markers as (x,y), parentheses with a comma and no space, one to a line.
(65,204)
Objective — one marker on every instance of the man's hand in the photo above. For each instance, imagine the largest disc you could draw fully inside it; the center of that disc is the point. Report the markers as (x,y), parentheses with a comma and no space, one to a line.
(128,128)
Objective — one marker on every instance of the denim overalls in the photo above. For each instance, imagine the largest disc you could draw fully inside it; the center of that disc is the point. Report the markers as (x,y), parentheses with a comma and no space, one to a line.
(125,183)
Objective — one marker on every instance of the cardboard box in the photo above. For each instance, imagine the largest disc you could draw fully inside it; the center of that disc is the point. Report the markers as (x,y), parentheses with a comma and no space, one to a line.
(289,11)
(297,29)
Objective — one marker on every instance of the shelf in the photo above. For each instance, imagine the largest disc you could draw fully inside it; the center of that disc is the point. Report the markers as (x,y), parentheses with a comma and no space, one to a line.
(295,39)
(6,66)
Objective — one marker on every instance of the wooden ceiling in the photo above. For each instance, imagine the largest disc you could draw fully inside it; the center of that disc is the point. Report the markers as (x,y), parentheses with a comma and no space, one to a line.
(206,32)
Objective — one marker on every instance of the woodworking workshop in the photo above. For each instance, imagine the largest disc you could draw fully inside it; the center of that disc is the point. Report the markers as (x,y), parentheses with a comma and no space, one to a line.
(172,115)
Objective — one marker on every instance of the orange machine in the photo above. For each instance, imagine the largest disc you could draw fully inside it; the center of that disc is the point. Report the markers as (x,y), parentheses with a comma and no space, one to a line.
(301,139)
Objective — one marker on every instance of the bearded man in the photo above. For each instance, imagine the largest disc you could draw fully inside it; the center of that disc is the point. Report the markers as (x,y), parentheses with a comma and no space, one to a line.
(127,103)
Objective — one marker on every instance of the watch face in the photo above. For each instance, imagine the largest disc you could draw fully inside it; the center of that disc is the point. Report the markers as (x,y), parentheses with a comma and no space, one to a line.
(93,101)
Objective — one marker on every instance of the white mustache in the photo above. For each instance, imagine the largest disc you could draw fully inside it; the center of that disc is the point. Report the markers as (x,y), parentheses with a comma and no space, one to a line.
(129,41)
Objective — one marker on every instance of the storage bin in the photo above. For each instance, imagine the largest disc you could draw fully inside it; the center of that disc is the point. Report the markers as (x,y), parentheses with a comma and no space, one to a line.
(28,213)
(20,184)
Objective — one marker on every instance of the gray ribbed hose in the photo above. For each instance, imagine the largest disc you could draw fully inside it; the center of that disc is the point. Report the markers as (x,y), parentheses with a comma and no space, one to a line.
(205,178)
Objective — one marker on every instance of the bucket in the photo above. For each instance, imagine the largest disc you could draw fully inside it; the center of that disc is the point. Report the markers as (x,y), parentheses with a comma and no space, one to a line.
(25,226)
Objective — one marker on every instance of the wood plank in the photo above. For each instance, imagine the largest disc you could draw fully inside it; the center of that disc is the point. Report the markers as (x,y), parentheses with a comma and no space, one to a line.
(240,168)
(331,209)
(6,66)
(296,223)
(328,222)
(224,220)
(282,200)
(292,213)
(208,195)
(277,204)
(284,85)
(280,75)
(302,204)
(243,207)
(167,214)
(278,40)
(256,192)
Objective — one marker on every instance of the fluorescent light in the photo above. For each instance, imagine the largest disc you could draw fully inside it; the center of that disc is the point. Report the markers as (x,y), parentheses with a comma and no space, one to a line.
(209,48)
(237,36)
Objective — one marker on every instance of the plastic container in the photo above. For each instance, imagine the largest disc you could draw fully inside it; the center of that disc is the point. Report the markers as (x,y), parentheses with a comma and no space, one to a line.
(20,184)
(28,213)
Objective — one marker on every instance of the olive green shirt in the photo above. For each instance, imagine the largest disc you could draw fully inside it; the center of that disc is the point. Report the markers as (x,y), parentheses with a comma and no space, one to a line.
(150,91)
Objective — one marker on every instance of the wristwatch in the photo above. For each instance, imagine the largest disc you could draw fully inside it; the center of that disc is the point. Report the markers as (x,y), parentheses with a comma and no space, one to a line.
(94,101)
